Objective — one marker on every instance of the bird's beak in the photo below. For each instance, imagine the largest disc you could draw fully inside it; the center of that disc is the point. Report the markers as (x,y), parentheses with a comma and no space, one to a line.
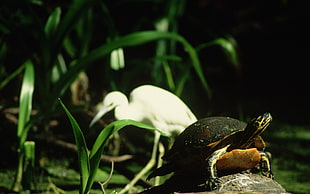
(101,112)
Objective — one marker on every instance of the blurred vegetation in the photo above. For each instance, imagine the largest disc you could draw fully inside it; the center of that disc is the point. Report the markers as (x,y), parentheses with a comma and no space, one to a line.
(214,54)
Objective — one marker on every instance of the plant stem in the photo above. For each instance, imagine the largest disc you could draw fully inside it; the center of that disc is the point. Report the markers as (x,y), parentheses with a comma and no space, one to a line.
(19,174)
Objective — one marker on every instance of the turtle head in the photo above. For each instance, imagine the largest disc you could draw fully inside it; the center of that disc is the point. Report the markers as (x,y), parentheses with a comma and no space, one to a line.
(260,123)
(256,127)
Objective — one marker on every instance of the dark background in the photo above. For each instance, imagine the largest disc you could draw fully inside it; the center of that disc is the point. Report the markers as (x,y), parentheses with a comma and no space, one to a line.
(272,74)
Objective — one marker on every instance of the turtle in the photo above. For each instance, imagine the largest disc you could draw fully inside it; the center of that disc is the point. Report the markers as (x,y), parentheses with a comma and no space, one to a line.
(217,144)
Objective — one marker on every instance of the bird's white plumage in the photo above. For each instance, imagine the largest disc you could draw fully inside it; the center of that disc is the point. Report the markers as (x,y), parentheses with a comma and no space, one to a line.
(150,105)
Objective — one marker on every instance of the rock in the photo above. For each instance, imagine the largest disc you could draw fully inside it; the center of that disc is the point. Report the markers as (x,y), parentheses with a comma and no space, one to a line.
(233,183)
(248,182)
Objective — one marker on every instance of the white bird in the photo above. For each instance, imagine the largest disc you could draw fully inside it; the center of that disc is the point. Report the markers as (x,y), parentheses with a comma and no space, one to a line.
(149,105)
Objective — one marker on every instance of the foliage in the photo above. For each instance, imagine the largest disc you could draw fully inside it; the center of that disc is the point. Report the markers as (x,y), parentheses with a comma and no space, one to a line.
(89,162)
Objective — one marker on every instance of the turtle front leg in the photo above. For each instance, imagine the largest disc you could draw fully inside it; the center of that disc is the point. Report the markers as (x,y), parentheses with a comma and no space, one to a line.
(212,180)
(265,165)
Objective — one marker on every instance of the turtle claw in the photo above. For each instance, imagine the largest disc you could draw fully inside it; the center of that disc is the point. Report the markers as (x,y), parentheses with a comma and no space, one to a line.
(212,183)
(268,174)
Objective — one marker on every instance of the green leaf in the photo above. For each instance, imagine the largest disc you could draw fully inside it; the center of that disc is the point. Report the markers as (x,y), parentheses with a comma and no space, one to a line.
(169,75)
(58,69)
(70,47)
(230,49)
(117,60)
(101,140)
(12,76)
(75,11)
(52,22)
(84,29)
(228,45)
(181,83)
(25,101)
(82,150)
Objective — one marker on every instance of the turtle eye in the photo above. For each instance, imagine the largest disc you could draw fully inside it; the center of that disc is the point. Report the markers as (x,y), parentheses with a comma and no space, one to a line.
(256,122)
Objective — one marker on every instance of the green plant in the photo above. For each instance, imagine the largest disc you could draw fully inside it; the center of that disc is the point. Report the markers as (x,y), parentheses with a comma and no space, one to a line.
(89,162)
(29,165)
(24,124)
(227,44)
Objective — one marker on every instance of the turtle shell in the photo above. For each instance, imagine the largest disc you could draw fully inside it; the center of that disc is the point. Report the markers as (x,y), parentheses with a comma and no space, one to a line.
(202,134)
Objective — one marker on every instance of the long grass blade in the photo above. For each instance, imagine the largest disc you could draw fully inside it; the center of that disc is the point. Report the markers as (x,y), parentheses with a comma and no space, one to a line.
(52,22)
(101,140)
(229,47)
(82,149)
(12,76)
(169,76)
(75,11)
(25,101)
(84,29)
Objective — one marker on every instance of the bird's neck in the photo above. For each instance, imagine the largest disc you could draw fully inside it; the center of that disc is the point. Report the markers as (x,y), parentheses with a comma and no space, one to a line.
(123,112)
(129,111)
